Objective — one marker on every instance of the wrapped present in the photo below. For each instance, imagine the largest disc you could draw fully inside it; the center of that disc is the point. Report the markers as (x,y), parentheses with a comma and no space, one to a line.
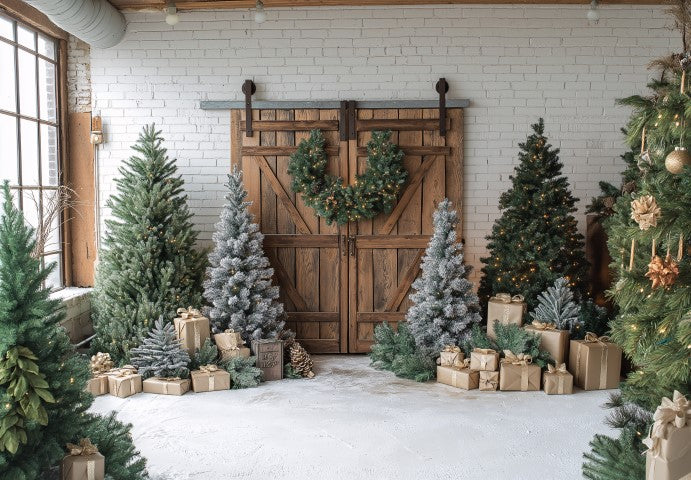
(167,386)
(83,462)
(230,345)
(484,359)
(518,373)
(458,377)
(506,309)
(97,385)
(669,442)
(451,356)
(210,378)
(192,328)
(488,380)
(269,358)
(557,380)
(552,340)
(124,382)
(595,363)
(101,364)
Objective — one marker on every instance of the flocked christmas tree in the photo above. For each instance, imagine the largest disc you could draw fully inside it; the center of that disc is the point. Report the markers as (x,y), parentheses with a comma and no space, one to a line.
(161,353)
(148,266)
(536,239)
(42,380)
(445,306)
(239,277)
(649,240)
(556,306)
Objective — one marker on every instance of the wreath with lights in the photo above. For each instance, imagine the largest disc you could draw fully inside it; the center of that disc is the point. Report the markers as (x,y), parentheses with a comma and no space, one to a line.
(373,192)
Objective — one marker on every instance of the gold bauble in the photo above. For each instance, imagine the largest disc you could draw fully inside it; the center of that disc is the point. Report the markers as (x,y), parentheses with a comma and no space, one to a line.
(675,161)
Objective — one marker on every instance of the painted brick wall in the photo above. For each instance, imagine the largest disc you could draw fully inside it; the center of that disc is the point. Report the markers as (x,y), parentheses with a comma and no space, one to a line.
(78,75)
(514,63)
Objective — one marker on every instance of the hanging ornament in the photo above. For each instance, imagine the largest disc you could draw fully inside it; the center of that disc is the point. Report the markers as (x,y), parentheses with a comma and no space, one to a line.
(663,273)
(677,159)
(628,187)
(644,162)
(645,212)
(680,248)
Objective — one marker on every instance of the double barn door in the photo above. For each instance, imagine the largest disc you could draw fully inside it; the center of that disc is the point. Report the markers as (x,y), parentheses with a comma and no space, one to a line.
(338,282)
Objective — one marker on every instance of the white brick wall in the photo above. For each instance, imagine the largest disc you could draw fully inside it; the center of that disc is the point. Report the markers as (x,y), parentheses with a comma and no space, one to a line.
(78,76)
(514,63)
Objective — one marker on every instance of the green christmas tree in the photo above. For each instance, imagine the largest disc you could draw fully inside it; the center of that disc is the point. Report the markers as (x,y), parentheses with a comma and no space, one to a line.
(536,239)
(653,325)
(148,266)
(42,380)
(556,305)
(161,353)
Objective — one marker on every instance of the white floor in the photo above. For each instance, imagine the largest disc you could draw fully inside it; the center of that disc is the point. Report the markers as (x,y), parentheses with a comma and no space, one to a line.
(353,422)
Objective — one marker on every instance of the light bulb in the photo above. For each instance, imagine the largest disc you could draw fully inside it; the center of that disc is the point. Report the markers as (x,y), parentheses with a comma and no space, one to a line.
(259,13)
(593,14)
(172,15)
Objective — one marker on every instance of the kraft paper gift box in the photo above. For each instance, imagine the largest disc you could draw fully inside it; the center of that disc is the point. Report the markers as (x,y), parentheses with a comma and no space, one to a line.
(669,443)
(101,365)
(230,345)
(518,373)
(484,359)
(191,328)
(552,340)
(488,381)
(97,385)
(557,380)
(505,309)
(83,463)
(269,358)
(451,356)
(460,378)
(210,378)
(166,386)
(124,383)
(595,363)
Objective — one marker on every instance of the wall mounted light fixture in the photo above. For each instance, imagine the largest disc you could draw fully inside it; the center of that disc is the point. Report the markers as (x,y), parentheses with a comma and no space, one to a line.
(593,14)
(172,14)
(259,13)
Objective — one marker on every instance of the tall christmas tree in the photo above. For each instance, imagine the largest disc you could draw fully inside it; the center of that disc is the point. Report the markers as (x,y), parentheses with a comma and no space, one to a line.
(239,277)
(161,353)
(148,266)
(536,239)
(444,304)
(649,239)
(42,380)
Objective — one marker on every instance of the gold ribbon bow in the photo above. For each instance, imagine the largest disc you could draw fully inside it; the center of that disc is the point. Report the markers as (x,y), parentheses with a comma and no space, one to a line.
(507,298)
(126,371)
(188,313)
(543,325)
(520,359)
(84,447)
(210,368)
(590,337)
(101,363)
(670,413)
(451,349)
(466,364)
(230,330)
(559,369)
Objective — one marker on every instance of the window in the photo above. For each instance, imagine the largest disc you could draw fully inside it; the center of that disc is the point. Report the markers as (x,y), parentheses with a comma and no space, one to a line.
(30,132)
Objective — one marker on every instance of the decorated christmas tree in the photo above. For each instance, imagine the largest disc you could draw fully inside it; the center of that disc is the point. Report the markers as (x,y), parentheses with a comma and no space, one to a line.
(649,240)
(239,277)
(444,304)
(161,354)
(148,266)
(536,239)
(556,306)
(42,380)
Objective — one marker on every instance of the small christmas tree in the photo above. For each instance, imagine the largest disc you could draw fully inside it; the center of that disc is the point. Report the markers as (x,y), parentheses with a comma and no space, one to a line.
(536,239)
(445,306)
(556,306)
(239,277)
(161,354)
(148,266)
(395,350)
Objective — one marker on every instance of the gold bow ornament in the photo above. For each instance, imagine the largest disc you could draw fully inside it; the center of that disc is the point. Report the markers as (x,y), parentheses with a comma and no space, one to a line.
(101,363)
(561,372)
(590,337)
(209,370)
(507,298)
(188,313)
(83,449)
(543,325)
(513,359)
(451,356)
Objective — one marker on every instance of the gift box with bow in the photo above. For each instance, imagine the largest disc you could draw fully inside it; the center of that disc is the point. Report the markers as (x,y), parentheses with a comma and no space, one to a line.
(552,340)
(459,377)
(124,382)
(669,442)
(451,356)
(210,378)
(167,386)
(230,345)
(595,363)
(192,328)
(557,380)
(101,364)
(488,380)
(484,359)
(505,309)
(83,462)
(518,373)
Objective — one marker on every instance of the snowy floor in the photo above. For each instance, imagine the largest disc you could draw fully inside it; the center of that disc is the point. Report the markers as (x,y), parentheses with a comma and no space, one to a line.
(353,422)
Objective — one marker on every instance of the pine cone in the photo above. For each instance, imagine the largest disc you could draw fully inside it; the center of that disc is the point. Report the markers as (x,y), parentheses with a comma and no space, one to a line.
(300,360)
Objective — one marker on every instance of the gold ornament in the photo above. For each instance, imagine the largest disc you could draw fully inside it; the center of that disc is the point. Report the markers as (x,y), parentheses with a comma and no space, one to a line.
(663,273)
(675,161)
(645,212)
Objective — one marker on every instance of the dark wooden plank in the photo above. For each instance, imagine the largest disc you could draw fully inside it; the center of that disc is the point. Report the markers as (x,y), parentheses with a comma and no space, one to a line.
(282,150)
(292,125)
(269,197)
(236,144)
(315,345)
(392,241)
(378,317)
(285,282)
(251,174)
(304,241)
(433,184)
(410,150)
(405,283)
(426,124)
(312,316)
(284,223)
(454,166)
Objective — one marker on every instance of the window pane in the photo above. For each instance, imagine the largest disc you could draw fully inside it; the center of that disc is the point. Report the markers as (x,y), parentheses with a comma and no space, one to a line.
(30,207)
(54,279)
(47,90)
(49,155)
(51,214)
(8,148)
(6,28)
(46,46)
(26,37)
(29,143)
(8,100)
(27,84)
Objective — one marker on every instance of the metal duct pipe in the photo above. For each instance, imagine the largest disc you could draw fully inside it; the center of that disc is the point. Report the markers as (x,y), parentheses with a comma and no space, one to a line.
(96,22)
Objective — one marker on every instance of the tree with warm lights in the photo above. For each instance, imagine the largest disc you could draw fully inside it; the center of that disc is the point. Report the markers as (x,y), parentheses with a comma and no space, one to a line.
(536,239)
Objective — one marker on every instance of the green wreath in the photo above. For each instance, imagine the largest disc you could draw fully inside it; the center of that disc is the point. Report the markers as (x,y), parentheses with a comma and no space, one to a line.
(373,192)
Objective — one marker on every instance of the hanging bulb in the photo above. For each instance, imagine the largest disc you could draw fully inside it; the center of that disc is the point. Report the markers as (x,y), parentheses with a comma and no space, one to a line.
(172,15)
(593,14)
(259,13)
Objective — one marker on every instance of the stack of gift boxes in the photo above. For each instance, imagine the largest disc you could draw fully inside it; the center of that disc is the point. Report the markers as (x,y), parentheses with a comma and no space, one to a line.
(594,363)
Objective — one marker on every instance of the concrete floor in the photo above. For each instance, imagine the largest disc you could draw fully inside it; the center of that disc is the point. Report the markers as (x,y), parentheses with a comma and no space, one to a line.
(353,422)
